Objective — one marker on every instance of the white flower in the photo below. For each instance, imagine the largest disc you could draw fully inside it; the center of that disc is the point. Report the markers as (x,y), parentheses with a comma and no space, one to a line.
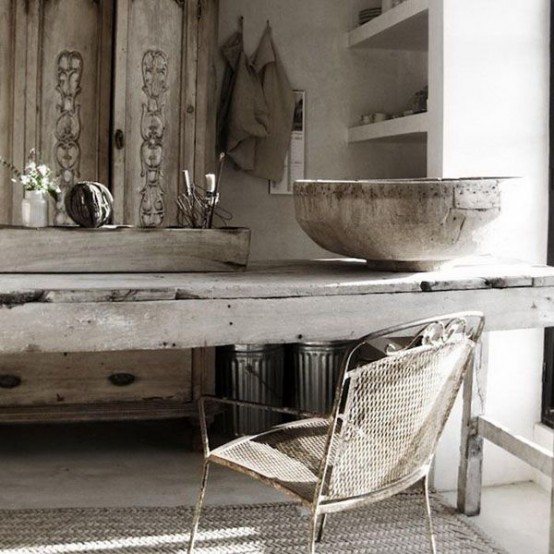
(43,170)
(26,179)
(31,166)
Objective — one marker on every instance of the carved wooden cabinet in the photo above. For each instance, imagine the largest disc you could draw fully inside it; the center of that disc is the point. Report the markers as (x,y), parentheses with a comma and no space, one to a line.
(107,90)
(119,91)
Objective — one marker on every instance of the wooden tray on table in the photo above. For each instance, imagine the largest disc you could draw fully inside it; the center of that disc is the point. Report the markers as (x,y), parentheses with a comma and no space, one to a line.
(121,249)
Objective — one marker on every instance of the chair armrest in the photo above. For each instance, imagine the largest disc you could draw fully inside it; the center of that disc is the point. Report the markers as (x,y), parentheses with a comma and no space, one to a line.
(246,404)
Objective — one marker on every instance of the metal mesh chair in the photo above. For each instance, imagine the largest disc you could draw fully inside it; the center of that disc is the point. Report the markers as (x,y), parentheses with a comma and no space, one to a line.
(382,433)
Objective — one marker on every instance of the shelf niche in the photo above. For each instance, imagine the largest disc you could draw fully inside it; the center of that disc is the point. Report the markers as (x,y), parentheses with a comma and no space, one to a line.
(404,27)
(410,128)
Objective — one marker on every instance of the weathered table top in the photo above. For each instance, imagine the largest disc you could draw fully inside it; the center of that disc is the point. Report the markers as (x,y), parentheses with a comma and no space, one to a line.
(270,302)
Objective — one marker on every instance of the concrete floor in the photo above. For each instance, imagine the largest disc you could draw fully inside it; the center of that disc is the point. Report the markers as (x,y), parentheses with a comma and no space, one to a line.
(148,464)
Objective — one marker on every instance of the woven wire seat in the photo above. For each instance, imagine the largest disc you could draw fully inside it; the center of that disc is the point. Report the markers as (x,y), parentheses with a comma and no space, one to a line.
(382,433)
(289,455)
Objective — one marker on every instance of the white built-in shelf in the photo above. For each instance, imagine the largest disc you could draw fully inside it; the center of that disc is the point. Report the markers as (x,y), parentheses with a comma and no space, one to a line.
(404,27)
(408,128)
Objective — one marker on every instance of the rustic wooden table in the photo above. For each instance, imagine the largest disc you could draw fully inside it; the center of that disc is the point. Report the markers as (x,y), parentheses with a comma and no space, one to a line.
(283,302)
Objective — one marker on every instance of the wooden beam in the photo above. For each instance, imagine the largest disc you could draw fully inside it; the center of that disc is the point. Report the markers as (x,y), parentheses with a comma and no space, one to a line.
(19,144)
(536,456)
(206,87)
(189,89)
(7,62)
(113,326)
(104,411)
(470,473)
(284,279)
(119,109)
(551,538)
(104,88)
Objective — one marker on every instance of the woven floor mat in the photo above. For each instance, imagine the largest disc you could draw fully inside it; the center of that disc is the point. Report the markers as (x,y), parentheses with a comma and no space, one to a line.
(395,526)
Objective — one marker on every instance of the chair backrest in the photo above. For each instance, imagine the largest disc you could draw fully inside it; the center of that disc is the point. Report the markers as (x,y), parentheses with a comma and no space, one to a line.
(389,413)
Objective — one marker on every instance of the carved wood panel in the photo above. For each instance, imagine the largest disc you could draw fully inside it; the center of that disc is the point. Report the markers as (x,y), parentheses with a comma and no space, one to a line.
(74,41)
(150,92)
(67,150)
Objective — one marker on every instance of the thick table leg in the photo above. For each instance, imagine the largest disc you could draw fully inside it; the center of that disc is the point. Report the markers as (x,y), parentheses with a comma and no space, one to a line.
(471,450)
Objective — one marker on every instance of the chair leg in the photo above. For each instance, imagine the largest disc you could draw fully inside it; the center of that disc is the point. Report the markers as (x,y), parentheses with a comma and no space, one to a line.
(198,507)
(322,520)
(432,541)
(313,532)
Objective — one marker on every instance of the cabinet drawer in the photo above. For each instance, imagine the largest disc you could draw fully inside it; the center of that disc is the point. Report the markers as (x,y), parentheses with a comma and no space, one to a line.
(83,378)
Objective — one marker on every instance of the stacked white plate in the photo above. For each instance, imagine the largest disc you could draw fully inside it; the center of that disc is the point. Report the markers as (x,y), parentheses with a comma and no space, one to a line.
(367,15)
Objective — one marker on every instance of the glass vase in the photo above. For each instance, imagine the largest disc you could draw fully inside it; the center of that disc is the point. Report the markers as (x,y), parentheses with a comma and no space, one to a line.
(34,209)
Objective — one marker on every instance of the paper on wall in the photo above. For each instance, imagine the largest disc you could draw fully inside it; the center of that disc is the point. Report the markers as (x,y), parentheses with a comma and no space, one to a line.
(295,160)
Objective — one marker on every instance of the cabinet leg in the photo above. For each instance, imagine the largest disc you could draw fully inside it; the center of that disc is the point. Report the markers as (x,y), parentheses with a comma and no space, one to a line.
(195,436)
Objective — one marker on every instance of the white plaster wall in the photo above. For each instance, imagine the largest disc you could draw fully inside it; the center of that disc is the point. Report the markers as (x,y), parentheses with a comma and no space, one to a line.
(496,93)
(341,84)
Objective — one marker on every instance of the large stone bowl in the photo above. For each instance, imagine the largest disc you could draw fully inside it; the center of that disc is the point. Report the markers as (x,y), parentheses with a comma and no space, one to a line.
(400,224)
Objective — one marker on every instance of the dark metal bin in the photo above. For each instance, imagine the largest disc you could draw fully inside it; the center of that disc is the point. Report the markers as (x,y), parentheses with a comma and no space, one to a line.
(253,373)
(316,366)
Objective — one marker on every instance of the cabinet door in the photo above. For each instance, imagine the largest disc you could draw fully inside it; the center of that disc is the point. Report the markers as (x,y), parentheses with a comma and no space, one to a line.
(153,108)
(67,88)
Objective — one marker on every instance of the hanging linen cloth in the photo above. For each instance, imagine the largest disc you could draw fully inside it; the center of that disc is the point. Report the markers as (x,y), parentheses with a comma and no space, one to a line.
(271,149)
(245,114)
